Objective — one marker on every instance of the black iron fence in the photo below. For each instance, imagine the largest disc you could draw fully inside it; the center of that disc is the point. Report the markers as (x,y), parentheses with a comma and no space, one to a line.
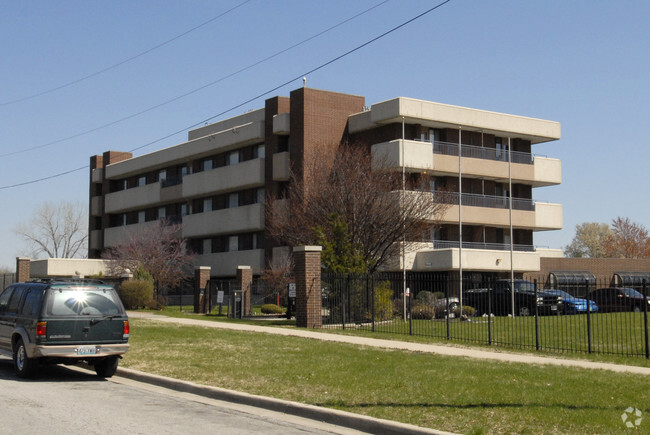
(575,317)
(6,279)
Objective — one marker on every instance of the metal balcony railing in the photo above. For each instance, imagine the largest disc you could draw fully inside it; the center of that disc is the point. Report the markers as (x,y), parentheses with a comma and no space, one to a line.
(473,200)
(447,244)
(471,151)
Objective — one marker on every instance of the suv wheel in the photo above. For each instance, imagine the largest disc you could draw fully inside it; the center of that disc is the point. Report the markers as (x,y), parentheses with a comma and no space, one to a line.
(107,367)
(23,366)
(524,311)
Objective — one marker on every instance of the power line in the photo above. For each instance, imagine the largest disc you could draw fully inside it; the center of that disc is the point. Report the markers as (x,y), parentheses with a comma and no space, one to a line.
(96,73)
(323,65)
(239,71)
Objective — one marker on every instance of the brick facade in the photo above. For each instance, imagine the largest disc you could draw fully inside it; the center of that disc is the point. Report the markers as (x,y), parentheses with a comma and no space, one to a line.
(307,271)
(22,269)
(244,281)
(201,278)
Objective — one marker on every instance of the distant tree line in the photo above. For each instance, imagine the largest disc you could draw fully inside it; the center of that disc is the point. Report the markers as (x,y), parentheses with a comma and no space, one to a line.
(622,239)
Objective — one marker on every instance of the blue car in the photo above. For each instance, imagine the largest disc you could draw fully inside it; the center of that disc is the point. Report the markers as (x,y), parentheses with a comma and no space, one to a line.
(573,305)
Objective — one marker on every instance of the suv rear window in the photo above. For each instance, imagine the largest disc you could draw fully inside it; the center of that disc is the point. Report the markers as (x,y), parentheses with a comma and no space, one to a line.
(74,302)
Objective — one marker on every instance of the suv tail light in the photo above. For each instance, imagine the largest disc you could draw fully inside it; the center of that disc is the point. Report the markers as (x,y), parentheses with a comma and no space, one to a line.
(127,329)
(41,329)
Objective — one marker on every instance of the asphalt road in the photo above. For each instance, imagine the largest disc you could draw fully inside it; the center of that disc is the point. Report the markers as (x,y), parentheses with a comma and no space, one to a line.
(73,401)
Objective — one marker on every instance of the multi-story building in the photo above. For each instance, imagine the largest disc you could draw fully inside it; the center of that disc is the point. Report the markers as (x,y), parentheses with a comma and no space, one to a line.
(217,181)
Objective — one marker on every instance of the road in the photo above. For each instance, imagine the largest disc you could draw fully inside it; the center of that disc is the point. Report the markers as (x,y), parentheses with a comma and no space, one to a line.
(72,401)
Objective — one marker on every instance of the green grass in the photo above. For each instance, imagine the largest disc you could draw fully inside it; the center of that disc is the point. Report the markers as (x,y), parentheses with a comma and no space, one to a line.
(454,394)
(557,334)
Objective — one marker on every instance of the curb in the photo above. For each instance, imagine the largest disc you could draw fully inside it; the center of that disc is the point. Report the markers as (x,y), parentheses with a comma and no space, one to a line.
(332,416)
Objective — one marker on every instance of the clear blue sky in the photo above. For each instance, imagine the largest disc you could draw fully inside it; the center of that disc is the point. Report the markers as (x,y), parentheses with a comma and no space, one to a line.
(583,63)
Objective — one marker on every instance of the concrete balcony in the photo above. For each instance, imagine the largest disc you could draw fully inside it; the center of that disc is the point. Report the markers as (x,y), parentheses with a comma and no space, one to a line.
(131,199)
(437,115)
(228,221)
(222,141)
(282,123)
(97,175)
(225,263)
(415,156)
(118,235)
(97,206)
(281,168)
(544,216)
(227,178)
(96,239)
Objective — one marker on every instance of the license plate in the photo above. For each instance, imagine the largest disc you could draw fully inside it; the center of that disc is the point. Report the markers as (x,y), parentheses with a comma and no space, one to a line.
(553,307)
(86,350)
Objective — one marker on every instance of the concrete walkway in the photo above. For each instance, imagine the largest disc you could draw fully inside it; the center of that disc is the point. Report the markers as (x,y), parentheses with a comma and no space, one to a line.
(495,355)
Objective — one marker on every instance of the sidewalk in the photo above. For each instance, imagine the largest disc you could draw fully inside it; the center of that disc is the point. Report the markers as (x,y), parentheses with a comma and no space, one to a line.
(402,345)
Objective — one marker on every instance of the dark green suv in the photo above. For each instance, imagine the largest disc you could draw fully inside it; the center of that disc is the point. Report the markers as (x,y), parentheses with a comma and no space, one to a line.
(62,322)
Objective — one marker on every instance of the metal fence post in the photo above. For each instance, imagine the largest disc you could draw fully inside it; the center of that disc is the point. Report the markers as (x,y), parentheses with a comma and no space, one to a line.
(491,284)
(589,338)
(536,316)
(370,281)
(645,318)
(447,289)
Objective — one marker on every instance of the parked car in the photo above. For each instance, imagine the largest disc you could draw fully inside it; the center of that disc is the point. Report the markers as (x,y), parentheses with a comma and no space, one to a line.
(62,322)
(619,299)
(441,308)
(498,300)
(571,304)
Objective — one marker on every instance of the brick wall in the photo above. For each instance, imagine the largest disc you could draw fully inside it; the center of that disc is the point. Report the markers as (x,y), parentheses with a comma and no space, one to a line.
(308,291)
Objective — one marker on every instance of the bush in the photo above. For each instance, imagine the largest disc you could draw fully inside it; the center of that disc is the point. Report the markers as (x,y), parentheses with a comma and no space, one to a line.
(426,298)
(383,303)
(272,309)
(136,294)
(469,311)
(422,312)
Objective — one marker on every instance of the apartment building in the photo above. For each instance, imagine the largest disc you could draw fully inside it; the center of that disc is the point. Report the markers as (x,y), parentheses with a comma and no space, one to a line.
(215,184)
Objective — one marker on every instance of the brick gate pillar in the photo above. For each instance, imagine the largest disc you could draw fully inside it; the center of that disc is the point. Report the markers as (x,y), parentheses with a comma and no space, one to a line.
(23,271)
(201,299)
(244,281)
(308,292)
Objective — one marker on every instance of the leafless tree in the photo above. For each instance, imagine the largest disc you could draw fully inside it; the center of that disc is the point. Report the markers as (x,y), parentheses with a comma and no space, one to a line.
(628,239)
(56,230)
(159,250)
(377,214)
(277,276)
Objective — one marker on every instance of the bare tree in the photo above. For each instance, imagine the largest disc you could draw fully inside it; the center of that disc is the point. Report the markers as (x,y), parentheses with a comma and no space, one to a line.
(277,276)
(590,241)
(159,250)
(628,239)
(366,206)
(56,230)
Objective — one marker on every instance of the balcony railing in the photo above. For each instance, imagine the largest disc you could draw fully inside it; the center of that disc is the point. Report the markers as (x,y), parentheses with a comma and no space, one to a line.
(451,149)
(473,200)
(447,244)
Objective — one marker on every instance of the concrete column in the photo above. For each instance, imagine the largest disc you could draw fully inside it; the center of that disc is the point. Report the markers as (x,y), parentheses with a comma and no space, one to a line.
(201,297)
(244,281)
(308,291)
(23,265)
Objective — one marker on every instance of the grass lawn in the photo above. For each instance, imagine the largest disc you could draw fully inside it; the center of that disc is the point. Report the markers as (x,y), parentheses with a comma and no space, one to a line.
(454,394)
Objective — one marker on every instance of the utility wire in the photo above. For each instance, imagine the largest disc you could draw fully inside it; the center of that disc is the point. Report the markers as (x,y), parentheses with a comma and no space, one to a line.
(155,47)
(94,129)
(323,65)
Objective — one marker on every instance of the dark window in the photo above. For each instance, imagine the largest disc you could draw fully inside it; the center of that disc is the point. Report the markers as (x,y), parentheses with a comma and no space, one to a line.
(32,302)
(15,300)
(4,298)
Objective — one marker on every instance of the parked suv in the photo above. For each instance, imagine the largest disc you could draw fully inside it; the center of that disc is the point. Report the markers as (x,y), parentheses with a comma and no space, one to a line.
(62,322)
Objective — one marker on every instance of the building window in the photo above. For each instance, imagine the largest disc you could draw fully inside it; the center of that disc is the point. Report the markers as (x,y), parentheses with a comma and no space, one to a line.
(207,165)
(207,205)
(142,216)
(260,195)
(233,158)
(233,243)
(233,200)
